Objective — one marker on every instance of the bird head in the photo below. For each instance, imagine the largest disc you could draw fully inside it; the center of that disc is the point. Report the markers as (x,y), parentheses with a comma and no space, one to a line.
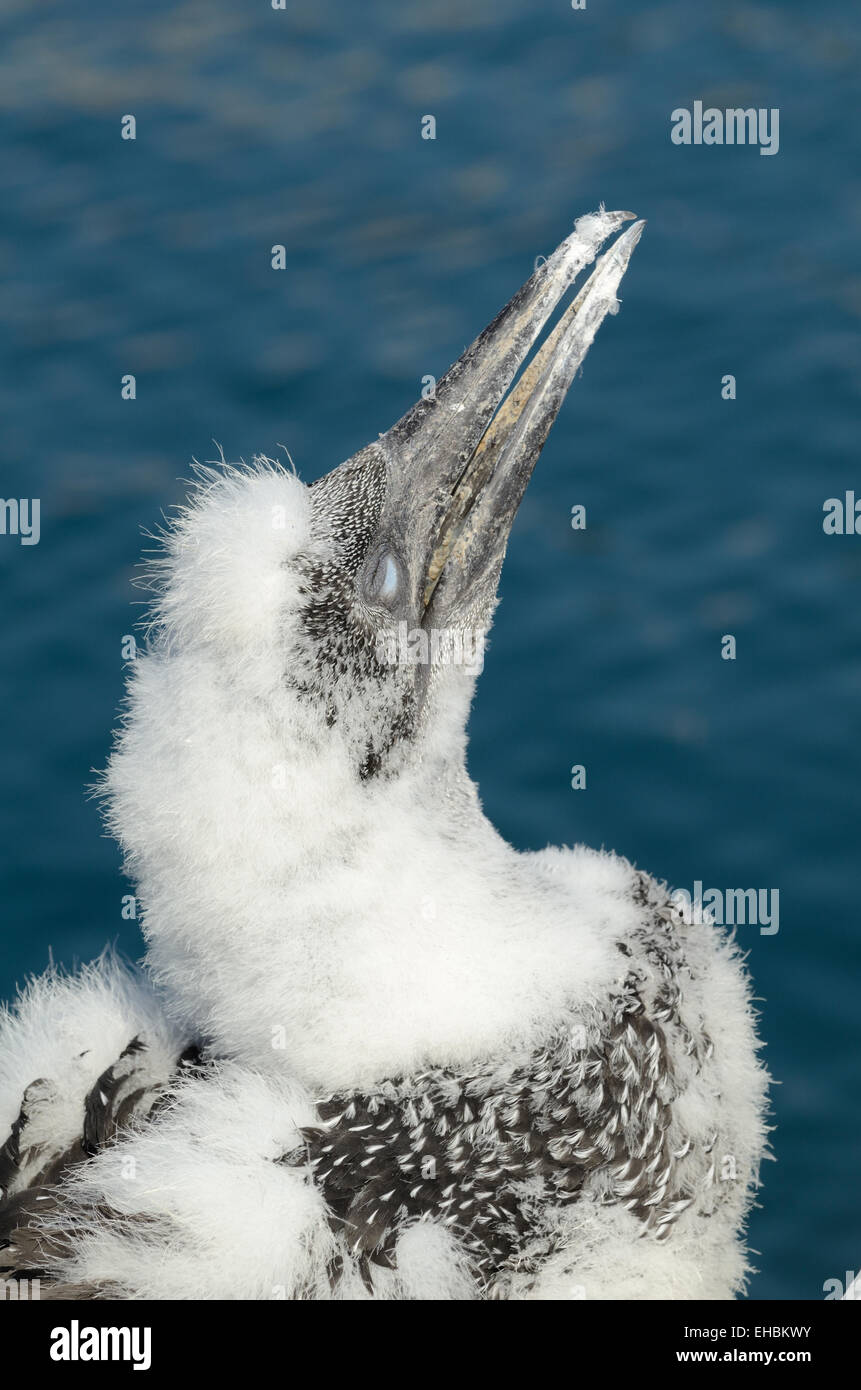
(398,581)
(354,610)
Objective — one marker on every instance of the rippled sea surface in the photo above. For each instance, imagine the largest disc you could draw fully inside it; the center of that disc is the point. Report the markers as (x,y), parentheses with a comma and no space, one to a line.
(302,127)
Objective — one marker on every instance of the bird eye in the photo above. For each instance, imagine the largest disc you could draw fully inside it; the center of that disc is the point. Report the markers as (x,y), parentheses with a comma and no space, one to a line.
(384,582)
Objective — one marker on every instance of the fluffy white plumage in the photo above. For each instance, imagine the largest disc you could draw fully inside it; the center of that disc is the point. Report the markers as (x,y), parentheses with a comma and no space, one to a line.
(322,932)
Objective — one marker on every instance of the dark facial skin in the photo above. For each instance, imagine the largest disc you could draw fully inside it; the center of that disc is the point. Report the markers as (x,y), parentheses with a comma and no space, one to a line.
(413,529)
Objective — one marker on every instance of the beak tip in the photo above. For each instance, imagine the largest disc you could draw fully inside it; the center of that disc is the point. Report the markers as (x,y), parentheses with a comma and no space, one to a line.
(622,248)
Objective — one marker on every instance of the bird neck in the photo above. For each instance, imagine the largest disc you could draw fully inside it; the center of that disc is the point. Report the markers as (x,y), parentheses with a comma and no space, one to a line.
(298,917)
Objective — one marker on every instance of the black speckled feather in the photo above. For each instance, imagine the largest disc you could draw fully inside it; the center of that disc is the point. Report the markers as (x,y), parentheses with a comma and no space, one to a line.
(487,1153)
(490,1154)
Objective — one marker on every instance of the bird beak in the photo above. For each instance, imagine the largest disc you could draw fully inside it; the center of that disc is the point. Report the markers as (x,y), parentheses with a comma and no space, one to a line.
(459,463)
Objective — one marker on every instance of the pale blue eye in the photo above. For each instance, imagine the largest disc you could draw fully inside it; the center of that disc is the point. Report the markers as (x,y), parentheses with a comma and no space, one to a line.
(386,579)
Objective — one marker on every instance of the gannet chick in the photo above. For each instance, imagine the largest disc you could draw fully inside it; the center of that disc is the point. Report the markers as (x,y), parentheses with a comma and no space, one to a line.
(384,1054)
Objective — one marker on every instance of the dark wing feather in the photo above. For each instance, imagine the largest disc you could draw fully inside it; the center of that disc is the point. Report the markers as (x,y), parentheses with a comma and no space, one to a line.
(488,1154)
(32,1173)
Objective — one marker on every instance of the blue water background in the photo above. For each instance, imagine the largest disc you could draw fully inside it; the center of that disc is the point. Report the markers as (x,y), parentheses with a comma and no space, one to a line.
(302,127)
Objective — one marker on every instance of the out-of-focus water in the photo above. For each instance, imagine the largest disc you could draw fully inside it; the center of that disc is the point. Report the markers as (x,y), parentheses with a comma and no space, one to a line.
(302,127)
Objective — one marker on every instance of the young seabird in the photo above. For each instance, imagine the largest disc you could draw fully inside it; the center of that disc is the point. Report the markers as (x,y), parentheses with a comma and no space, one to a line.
(376,1052)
